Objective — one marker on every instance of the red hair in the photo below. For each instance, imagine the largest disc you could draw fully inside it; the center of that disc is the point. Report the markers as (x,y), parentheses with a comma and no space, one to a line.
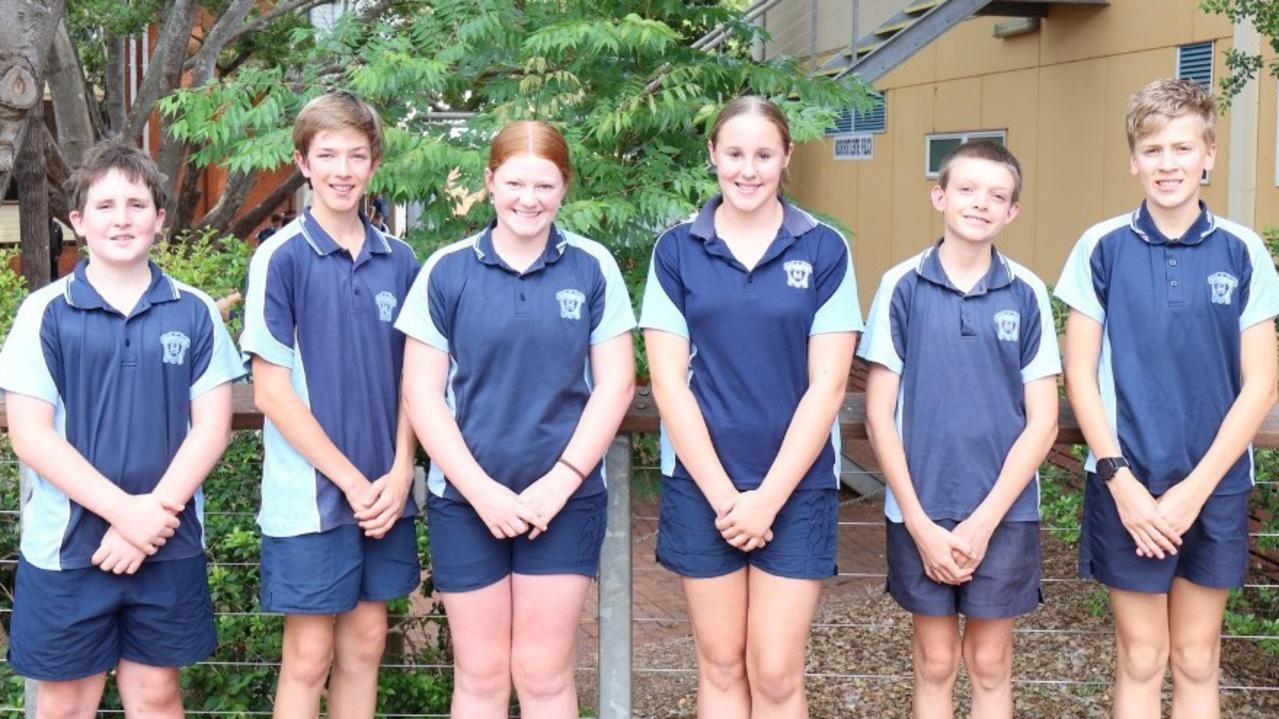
(531,137)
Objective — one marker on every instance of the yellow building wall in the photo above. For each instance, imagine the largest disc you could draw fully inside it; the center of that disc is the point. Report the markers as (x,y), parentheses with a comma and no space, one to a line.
(1060,94)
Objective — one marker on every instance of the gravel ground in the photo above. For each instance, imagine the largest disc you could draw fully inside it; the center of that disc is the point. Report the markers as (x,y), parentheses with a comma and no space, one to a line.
(1062,660)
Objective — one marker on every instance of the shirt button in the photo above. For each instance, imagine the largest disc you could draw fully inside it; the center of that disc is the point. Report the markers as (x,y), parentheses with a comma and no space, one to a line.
(357,291)
(127,343)
(1172,263)
(1173,283)
(521,296)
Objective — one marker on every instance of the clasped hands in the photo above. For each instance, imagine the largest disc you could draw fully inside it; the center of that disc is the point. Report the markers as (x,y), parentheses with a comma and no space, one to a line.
(745,519)
(508,514)
(143,523)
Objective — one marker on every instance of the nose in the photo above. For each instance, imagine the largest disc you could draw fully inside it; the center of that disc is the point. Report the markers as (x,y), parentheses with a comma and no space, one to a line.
(1166,159)
(527,196)
(120,215)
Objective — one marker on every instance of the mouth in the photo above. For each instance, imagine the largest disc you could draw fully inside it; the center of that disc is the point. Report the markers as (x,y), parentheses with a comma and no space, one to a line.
(748,188)
(1168,185)
(527,214)
(976,220)
(122,238)
(342,189)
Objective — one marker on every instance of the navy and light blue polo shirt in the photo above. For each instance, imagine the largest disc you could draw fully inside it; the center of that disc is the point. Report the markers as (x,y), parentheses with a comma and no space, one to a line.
(121,387)
(519,348)
(1171,310)
(748,333)
(963,359)
(327,317)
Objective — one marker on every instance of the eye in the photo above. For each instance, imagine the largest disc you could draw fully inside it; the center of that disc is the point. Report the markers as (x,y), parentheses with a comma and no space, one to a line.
(545,187)
(999,197)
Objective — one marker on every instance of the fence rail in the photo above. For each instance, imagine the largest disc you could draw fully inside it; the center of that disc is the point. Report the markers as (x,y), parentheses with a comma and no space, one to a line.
(615,599)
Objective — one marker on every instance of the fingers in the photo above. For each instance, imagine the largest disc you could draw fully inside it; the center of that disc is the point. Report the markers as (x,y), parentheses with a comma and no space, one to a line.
(174,507)
(531,517)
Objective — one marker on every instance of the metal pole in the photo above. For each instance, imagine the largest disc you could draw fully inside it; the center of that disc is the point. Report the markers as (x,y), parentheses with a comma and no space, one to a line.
(29,686)
(615,587)
(812,41)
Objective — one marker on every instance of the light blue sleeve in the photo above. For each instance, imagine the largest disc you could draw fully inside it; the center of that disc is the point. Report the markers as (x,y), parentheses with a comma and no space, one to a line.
(663,292)
(1263,289)
(415,317)
(877,341)
(1047,360)
(268,304)
(225,364)
(1075,286)
(841,312)
(23,368)
(618,316)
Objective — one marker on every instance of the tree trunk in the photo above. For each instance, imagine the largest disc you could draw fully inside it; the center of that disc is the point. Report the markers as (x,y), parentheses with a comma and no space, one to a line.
(165,71)
(232,199)
(70,101)
(251,219)
(114,81)
(33,201)
(25,35)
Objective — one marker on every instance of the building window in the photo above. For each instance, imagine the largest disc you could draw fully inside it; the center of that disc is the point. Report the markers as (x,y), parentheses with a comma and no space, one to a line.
(938,146)
(1194,62)
(874,119)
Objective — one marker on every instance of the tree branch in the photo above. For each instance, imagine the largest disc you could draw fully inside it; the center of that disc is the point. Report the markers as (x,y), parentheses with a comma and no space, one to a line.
(251,219)
(232,199)
(70,101)
(161,76)
(205,59)
(270,16)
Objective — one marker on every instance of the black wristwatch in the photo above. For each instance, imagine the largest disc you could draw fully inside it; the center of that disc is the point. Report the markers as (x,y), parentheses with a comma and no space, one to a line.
(1108,467)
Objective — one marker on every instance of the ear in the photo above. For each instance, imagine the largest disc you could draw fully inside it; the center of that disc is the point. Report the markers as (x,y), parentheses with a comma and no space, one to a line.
(1013,210)
(790,150)
(300,161)
(710,152)
(488,182)
(77,222)
(1211,159)
(938,196)
(1133,169)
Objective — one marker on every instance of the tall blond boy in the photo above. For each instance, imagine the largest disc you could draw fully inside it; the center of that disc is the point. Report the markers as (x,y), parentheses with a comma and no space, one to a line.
(116,385)
(961,406)
(1170,359)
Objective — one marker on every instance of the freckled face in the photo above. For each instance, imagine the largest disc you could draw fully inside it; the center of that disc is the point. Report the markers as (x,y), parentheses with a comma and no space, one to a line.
(527,192)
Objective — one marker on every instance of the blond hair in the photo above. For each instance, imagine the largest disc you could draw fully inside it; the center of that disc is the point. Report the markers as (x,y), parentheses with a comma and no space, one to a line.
(338,110)
(1162,101)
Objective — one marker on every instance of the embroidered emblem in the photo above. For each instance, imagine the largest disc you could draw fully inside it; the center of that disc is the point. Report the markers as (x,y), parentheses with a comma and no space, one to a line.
(570,303)
(1008,325)
(385,306)
(175,346)
(797,272)
(1222,286)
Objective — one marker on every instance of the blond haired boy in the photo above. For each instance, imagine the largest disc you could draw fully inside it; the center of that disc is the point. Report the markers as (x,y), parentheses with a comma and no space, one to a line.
(1170,368)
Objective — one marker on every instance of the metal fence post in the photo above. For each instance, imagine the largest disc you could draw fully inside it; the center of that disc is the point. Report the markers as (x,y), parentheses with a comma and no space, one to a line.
(28,685)
(615,587)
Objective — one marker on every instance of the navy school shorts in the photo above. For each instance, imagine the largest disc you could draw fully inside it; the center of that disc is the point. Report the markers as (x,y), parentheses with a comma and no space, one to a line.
(803,546)
(76,623)
(465,556)
(330,572)
(1005,585)
(1213,553)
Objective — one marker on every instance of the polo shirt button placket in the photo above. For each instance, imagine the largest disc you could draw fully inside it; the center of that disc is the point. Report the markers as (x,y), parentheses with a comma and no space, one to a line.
(1172,274)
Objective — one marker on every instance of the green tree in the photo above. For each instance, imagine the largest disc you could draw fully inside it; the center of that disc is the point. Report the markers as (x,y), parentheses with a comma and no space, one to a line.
(1244,66)
(621,78)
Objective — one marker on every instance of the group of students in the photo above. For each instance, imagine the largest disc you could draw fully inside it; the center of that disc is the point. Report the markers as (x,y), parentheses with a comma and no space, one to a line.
(508,355)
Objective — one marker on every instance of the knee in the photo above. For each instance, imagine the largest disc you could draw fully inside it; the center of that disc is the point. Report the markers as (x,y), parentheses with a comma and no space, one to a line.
(990,667)
(774,682)
(54,703)
(362,647)
(723,672)
(539,677)
(1198,664)
(307,661)
(483,676)
(937,662)
(1143,662)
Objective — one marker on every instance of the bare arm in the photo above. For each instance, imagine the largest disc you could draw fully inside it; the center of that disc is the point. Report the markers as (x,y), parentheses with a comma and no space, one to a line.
(145,521)
(425,379)
(1024,457)
(204,444)
(274,396)
(1137,508)
(829,357)
(1181,504)
(613,380)
(668,359)
(936,545)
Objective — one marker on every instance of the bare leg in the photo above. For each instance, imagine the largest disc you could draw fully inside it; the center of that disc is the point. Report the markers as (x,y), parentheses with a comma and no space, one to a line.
(308,653)
(780,615)
(988,654)
(547,610)
(937,650)
(480,622)
(359,636)
(72,699)
(717,607)
(1194,621)
(1141,644)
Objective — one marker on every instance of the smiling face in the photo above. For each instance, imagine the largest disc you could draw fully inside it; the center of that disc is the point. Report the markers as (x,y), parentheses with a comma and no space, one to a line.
(339,164)
(977,201)
(527,191)
(750,157)
(1170,161)
(119,220)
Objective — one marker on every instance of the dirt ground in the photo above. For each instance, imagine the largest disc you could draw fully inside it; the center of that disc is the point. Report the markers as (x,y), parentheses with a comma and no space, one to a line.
(859,660)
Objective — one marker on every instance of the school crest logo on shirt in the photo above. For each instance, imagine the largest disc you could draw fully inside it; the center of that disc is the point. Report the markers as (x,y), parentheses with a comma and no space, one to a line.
(385,305)
(570,303)
(175,346)
(797,272)
(1222,286)
(1008,325)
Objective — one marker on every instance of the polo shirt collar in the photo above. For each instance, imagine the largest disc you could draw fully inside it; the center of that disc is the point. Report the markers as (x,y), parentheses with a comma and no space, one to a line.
(556,243)
(1144,225)
(999,275)
(375,243)
(795,223)
(81,294)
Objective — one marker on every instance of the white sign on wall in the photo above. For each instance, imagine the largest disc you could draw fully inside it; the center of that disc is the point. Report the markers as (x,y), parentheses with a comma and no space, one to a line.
(854,147)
